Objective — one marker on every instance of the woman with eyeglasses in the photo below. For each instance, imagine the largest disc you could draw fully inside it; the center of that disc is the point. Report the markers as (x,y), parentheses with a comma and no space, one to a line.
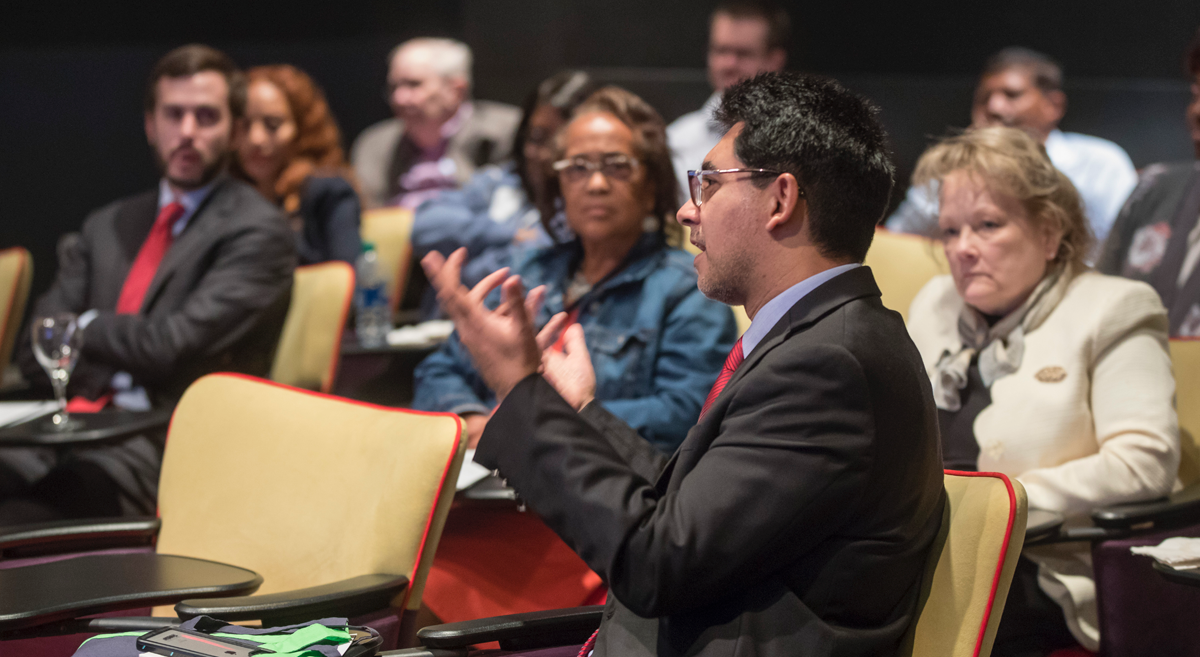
(657,345)
(497,208)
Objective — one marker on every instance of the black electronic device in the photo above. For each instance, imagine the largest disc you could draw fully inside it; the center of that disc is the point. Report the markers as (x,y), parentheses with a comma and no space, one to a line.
(174,642)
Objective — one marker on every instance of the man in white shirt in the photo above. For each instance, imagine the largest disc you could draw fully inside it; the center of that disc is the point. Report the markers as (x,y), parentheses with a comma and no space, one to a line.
(745,38)
(1022,88)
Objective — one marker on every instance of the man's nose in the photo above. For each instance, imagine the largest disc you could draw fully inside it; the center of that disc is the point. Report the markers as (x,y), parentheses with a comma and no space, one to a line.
(997,106)
(688,214)
(187,126)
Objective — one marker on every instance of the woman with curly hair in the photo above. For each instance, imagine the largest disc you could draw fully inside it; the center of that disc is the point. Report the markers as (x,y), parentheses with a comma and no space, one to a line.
(288,147)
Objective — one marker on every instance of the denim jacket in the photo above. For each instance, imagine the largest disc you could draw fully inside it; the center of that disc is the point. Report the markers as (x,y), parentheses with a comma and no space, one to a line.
(657,343)
(483,216)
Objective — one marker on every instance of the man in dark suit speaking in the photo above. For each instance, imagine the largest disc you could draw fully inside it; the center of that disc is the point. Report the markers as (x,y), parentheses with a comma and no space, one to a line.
(797,516)
(171,284)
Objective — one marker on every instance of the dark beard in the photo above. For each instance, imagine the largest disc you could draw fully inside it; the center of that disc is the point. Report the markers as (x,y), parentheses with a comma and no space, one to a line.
(209,174)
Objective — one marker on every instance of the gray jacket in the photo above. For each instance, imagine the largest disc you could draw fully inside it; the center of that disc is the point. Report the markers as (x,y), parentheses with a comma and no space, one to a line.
(380,156)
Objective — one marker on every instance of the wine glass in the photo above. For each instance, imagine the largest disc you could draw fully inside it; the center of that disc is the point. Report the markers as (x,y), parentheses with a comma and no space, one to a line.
(57,339)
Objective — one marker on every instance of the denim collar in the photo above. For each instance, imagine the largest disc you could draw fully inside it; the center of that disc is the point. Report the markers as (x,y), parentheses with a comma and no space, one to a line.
(555,264)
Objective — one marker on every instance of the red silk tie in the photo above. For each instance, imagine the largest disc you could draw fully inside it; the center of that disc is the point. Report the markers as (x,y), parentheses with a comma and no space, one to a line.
(137,281)
(731,364)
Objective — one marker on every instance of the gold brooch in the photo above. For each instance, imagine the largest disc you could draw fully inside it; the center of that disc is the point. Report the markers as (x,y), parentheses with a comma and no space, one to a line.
(1051,374)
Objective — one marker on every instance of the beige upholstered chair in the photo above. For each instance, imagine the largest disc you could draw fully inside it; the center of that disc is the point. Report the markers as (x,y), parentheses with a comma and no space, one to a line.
(16,273)
(970,567)
(1185,362)
(307,355)
(306,489)
(902,265)
(390,230)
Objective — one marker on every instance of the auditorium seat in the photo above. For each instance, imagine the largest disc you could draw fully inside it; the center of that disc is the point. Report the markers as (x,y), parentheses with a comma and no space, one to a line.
(902,265)
(305,490)
(16,274)
(390,230)
(309,347)
(962,594)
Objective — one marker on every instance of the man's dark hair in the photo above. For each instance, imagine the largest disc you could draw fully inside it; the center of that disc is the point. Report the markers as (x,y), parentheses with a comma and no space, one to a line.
(1193,55)
(1047,73)
(194,58)
(779,24)
(829,139)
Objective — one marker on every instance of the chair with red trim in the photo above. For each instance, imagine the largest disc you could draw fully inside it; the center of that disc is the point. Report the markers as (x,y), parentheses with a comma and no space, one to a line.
(970,567)
(307,355)
(338,505)
(16,274)
(390,230)
(966,582)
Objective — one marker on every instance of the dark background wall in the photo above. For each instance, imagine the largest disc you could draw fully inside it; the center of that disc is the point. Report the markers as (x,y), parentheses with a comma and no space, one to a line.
(72,74)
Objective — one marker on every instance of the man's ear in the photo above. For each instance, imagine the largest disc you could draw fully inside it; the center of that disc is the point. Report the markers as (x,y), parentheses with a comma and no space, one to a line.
(784,195)
(776,59)
(151,132)
(459,85)
(1058,105)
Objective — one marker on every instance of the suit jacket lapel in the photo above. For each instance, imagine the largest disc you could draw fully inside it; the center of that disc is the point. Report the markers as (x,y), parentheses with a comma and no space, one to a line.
(829,296)
(196,233)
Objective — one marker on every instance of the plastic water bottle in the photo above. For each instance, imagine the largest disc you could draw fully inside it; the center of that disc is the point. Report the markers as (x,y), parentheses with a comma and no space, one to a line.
(372,311)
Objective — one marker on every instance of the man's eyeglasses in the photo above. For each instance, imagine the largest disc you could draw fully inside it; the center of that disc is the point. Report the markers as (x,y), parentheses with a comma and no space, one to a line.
(696,180)
(614,166)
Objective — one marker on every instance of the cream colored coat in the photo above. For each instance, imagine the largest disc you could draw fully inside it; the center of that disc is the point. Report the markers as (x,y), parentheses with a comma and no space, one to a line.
(1103,434)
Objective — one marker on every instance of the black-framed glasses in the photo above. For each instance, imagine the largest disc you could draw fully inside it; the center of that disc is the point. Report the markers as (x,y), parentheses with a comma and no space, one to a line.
(696,180)
(614,166)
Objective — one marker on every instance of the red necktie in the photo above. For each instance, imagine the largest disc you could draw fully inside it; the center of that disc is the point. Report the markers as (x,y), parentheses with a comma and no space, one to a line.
(133,292)
(731,364)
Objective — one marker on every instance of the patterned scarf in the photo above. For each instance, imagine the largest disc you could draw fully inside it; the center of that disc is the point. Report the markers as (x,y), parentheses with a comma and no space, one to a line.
(1000,346)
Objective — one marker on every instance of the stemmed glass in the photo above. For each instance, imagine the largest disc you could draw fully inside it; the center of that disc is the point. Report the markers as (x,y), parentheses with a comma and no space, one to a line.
(56,343)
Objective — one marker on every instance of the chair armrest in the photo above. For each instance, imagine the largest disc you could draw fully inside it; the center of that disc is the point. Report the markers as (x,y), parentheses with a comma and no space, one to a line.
(350,597)
(538,629)
(76,536)
(1182,508)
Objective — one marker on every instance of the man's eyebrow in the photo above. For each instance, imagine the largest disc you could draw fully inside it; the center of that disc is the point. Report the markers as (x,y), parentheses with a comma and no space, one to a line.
(707,165)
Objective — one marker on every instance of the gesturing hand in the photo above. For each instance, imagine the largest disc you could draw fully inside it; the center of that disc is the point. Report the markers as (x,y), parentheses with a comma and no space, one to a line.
(569,371)
(500,341)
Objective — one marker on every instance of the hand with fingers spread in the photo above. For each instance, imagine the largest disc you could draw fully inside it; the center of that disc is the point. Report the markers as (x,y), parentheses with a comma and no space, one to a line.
(501,341)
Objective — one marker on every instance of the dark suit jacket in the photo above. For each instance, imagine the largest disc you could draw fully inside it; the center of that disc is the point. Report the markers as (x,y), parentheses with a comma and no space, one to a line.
(217,301)
(329,221)
(795,518)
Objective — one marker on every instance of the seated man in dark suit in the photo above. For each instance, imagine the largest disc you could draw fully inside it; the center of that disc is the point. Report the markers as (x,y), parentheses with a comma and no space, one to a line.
(190,278)
(797,515)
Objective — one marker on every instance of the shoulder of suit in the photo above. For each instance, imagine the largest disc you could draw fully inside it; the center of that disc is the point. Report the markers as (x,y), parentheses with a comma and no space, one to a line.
(243,203)
(491,112)
(327,185)
(1111,307)
(382,135)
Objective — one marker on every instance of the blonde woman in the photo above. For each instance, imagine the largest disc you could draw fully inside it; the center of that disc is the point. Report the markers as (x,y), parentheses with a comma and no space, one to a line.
(1041,368)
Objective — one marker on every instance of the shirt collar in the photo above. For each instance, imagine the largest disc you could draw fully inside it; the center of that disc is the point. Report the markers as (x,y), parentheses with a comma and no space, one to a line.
(189,200)
(774,310)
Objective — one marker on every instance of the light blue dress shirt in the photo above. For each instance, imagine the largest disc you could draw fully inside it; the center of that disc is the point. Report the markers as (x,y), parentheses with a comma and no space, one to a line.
(774,310)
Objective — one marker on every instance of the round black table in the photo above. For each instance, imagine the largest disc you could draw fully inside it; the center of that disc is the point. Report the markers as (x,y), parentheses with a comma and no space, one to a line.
(1189,577)
(109,424)
(32,596)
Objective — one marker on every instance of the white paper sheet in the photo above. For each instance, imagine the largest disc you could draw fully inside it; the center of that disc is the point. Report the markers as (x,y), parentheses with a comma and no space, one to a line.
(471,473)
(17,412)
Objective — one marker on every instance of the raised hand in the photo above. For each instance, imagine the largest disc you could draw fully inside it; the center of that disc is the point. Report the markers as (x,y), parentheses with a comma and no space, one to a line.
(569,371)
(501,341)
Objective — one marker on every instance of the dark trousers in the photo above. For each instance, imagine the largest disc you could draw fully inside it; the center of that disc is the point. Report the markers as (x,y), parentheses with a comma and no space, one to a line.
(1033,624)
(72,489)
